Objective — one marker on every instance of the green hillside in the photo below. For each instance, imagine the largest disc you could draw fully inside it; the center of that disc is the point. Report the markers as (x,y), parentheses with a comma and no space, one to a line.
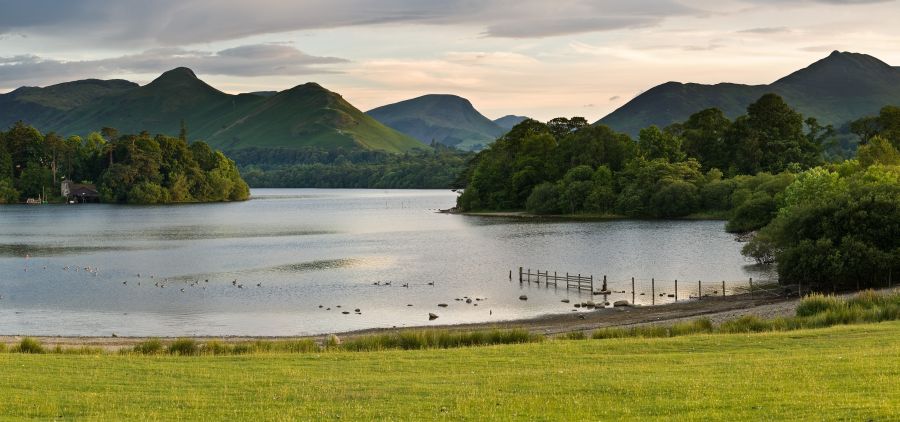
(446,119)
(837,89)
(304,116)
(36,104)
(309,115)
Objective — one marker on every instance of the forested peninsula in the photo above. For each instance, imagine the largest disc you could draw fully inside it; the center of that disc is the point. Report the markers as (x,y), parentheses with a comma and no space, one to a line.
(120,168)
(771,173)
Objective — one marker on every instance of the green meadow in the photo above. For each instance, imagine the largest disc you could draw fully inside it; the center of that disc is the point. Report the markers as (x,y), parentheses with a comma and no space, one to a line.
(842,373)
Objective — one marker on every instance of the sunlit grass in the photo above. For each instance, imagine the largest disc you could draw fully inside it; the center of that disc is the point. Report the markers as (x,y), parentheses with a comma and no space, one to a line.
(767,376)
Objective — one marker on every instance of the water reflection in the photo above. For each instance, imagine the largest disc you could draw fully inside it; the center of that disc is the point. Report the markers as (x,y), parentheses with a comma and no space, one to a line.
(292,251)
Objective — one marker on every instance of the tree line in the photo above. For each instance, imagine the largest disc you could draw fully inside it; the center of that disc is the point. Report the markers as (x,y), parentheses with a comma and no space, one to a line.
(318,168)
(762,171)
(126,168)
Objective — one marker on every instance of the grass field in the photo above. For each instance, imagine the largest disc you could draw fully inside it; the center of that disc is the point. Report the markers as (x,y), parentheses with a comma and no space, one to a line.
(840,373)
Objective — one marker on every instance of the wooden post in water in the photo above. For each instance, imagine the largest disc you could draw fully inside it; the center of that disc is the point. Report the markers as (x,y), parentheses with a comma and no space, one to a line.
(751,285)
(510,275)
(676,290)
(632,290)
(592,284)
(520,275)
(723,288)
(653,291)
(699,290)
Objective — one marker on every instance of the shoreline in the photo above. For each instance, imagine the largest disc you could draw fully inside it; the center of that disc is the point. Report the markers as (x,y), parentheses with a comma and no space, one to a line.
(718,309)
(525,215)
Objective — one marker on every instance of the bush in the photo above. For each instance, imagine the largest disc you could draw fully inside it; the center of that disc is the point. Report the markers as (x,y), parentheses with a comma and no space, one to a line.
(753,214)
(818,303)
(149,347)
(183,347)
(544,199)
(438,339)
(29,345)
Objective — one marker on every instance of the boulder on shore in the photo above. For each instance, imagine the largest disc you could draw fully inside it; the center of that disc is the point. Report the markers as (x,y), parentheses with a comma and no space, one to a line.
(620,303)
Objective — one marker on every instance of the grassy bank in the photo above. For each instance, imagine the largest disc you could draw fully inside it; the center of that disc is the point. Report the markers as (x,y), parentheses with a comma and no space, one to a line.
(846,372)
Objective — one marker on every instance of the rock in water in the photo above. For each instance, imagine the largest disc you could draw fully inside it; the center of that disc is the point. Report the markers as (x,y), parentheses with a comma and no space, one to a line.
(442,305)
(619,303)
(333,340)
(432,316)
(523,297)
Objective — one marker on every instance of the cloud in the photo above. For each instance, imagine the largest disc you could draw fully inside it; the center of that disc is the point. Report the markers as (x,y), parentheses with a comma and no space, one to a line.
(766,30)
(247,60)
(614,97)
(187,22)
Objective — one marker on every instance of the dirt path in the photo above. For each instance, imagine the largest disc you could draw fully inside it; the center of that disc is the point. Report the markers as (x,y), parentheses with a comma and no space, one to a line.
(718,309)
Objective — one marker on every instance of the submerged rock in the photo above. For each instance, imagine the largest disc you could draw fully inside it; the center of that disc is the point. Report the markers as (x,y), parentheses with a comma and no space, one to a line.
(432,316)
(523,297)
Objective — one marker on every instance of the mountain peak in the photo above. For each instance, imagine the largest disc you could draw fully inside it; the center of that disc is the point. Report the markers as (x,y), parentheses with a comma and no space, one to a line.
(843,70)
(179,72)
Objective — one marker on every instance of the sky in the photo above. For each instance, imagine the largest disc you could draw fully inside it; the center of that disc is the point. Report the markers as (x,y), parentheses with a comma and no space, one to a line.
(538,58)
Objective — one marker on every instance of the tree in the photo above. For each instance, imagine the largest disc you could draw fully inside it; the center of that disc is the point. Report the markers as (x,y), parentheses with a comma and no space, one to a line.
(544,199)
(705,138)
(837,230)
(771,138)
(594,146)
(654,143)
(878,151)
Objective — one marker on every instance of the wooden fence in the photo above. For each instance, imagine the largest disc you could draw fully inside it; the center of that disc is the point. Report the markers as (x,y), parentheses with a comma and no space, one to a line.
(577,281)
(659,291)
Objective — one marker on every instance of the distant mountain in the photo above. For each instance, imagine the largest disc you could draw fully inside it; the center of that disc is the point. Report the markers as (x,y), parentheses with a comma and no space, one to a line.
(837,89)
(507,122)
(306,115)
(446,119)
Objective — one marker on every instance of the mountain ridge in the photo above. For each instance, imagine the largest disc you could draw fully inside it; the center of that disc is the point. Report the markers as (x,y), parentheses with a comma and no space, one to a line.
(836,89)
(307,115)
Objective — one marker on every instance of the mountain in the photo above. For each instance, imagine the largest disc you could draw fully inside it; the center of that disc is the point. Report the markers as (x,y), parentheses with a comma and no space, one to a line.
(446,119)
(507,122)
(34,103)
(314,115)
(303,116)
(837,89)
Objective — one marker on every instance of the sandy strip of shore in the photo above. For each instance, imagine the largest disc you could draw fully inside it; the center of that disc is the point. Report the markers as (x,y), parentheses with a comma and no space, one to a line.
(718,309)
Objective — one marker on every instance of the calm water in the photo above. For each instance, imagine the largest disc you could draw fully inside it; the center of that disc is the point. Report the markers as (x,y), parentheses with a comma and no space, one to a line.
(312,247)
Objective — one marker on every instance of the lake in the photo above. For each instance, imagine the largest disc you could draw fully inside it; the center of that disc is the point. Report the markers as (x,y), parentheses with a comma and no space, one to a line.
(274,265)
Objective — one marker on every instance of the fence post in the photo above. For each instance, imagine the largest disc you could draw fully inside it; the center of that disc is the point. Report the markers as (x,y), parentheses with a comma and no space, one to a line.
(723,288)
(653,291)
(520,275)
(632,290)
(604,284)
(699,290)
(676,290)
(592,284)
(751,285)
(510,275)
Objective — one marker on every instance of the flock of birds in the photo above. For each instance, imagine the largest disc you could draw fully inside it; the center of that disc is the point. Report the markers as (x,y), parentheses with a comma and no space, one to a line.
(164,282)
